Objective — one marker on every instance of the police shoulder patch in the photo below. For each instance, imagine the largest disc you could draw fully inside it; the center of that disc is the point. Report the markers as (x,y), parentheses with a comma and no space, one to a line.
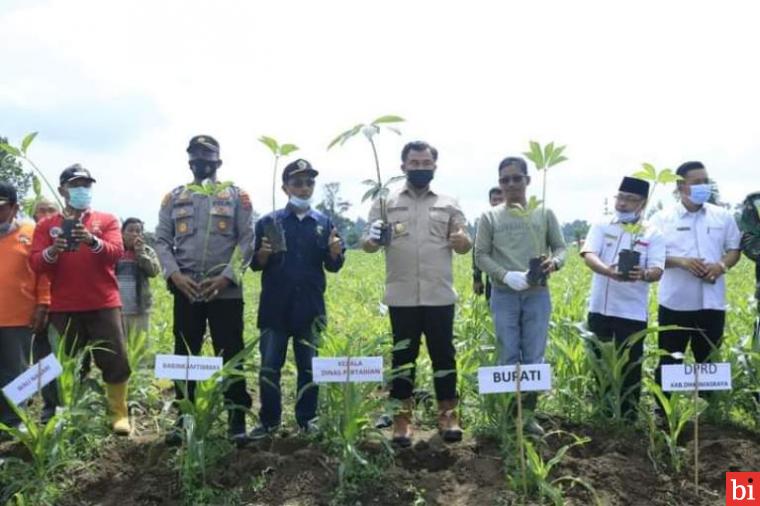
(165,201)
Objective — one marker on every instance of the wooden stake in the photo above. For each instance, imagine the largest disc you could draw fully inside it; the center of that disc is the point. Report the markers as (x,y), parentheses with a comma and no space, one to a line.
(696,427)
(520,442)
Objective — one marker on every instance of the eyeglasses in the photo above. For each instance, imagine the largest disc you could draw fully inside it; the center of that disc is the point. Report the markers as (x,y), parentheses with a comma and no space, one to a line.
(628,198)
(300,183)
(511,179)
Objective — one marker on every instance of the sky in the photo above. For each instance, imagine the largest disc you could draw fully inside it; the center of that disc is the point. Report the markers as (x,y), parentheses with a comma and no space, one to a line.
(121,87)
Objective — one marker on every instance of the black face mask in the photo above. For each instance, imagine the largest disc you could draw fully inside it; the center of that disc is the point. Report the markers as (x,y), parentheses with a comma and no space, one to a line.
(203,169)
(420,178)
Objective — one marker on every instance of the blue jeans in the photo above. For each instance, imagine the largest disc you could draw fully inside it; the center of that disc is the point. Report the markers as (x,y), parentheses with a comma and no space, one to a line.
(273,345)
(521,320)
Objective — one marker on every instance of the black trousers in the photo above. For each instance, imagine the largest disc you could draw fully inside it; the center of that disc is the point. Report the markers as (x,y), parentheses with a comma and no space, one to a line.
(710,321)
(408,324)
(225,320)
(609,328)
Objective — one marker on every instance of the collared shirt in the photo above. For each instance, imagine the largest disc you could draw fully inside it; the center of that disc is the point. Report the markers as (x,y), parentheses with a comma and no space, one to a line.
(21,289)
(81,280)
(293,282)
(198,234)
(418,261)
(622,299)
(708,234)
(506,242)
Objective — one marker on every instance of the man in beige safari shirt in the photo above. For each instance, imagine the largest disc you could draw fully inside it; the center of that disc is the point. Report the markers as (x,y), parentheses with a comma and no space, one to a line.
(424,228)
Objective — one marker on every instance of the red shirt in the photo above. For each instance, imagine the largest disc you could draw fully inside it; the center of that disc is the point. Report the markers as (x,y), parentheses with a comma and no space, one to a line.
(82,280)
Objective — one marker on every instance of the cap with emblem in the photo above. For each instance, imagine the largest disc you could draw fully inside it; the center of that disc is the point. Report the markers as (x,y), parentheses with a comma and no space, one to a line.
(76,171)
(8,194)
(204,142)
(300,166)
(635,186)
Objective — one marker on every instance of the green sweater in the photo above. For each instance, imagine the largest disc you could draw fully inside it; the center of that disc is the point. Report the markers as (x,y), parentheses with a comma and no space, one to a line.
(505,242)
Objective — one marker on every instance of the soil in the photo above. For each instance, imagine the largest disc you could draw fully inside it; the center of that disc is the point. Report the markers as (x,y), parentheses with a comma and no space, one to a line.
(291,470)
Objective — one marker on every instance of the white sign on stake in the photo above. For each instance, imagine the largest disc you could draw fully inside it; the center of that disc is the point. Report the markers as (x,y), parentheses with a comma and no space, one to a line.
(712,376)
(340,370)
(26,384)
(503,378)
(180,367)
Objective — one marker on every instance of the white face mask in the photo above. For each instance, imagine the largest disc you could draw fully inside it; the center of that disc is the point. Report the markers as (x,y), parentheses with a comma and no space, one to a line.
(299,203)
(627,216)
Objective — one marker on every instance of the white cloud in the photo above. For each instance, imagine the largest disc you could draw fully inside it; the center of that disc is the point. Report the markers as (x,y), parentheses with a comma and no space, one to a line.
(619,84)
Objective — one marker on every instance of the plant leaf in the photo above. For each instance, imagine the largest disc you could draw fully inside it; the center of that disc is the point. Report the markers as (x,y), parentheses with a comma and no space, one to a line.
(270,143)
(388,119)
(557,160)
(394,130)
(549,151)
(13,151)
(286,149)
(27,141)
(370,182)
(371,193)
(392,180)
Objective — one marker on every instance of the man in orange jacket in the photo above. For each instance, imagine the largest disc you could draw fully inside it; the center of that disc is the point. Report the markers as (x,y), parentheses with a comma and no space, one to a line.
(24,297)
(78,251)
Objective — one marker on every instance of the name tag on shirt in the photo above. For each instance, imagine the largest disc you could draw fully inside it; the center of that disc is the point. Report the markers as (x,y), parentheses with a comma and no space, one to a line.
(683,229)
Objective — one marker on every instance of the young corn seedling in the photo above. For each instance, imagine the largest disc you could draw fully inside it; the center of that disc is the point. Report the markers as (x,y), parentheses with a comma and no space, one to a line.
(378,190)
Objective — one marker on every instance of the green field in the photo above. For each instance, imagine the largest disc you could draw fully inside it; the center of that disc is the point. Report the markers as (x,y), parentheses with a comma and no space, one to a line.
(76,461)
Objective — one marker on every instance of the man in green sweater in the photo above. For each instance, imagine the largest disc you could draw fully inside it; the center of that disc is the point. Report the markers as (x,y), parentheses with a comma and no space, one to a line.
(506,241)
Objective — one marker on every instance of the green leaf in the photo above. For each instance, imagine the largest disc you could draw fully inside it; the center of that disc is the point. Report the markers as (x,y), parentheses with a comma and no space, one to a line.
(557,160)
(388,119)
(535,155)
(394,130)
(36,186)
(558,151)
(286,149)
(270,143)
(549,151)
(667,176)
(27,141)
(648,172)
(370,182)
(392,180)
(13,151)
(371,194)
(353,132)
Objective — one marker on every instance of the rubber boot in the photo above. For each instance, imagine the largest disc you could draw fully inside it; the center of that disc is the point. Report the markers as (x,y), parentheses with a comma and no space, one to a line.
(117,405)
(448,424)
(402,424)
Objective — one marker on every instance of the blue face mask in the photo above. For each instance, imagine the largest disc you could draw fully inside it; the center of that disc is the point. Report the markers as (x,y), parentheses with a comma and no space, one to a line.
(80,197)
(700,193)
(626,216)
(300,203)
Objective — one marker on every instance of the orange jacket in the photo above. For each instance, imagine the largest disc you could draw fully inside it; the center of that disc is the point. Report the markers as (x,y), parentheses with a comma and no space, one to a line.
(21,289)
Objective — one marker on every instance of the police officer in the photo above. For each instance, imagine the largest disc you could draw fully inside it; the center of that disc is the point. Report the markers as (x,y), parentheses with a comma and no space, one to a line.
(196,236)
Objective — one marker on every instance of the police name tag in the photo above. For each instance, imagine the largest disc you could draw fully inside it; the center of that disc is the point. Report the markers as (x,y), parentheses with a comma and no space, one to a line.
(681,377)
(37,376)
(347,370)
(503,378)
(180,367)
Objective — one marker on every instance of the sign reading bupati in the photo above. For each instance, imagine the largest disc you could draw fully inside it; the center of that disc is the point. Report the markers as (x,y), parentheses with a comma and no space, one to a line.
(347,370)
(681,377)
(34,378)
(180,367)
(503,378)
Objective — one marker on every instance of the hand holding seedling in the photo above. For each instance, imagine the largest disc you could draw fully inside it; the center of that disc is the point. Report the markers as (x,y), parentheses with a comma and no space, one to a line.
(264,252)
(334,244)
(186,285)
(549,266)
(59,245)
(39,319)
(636,274)
(713,272)
(376,231)
(478,287)
(613,273)
(211,287)
(458,241)
(82,235)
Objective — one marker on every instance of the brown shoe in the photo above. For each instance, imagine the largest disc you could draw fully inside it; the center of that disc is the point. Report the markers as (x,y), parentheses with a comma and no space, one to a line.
(402,424)
(448,425)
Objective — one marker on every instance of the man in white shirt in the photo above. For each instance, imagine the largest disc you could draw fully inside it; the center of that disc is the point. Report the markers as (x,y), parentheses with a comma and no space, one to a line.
(702,244)
(619,300)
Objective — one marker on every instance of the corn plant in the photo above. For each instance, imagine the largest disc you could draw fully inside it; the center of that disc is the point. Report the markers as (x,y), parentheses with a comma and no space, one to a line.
(536,481)
(200,414)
